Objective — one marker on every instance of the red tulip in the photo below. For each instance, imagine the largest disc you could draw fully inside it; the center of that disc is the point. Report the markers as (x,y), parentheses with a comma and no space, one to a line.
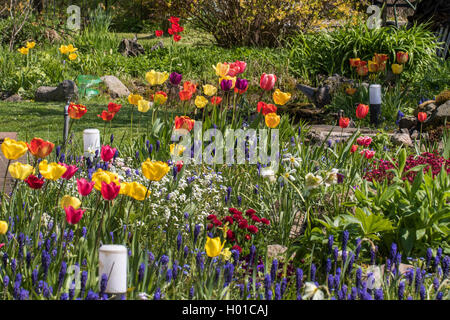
(107,153)
(114,107)
(71,170)
(174,20)
(354,148)
(179,164)
(73,216)
(361,111)
(176,37)
(267,81)
(242,65)
(362,70)
(216,100)
(171,31)
(84,187)
(34,182)
(265,221)
(422,116)
(106,115)
(40,148)
(266,108)
(344,122)
(211,217)
(250,212)
(110,191)
(159,33)
(236,247)
(230,235)
(177,28)
(243,224)
(247,237)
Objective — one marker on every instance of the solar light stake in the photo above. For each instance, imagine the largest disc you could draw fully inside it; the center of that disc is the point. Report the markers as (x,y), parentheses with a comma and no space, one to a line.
(112,261)
(375,103)
(66,123)
(91,141)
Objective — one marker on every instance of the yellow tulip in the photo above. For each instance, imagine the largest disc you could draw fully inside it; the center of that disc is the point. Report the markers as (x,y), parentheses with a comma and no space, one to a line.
(201,102)
(280,97)
(63,49)
(209,90)
(272,120)
(138,191)
(373,66)
(134,98)
(176,148)
(71,49)
(20,171)
(156,78)
(160,98)
(106,176)
(3,227)
(214,246)
(68,201)
(23,50)
(51,171)
(124,188)
(226,254)
(31,45)
(143,105)
(12,149)
(221,69)
(72,56)
(154,170)
(397,68)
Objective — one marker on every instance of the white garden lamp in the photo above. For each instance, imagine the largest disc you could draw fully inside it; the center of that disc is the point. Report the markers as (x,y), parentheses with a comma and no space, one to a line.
(113,260)
(91,141)
(375,103)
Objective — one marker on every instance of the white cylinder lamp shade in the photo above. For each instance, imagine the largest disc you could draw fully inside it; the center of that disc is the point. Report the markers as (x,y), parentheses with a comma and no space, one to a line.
(91,141)
(375,94)
(113,260)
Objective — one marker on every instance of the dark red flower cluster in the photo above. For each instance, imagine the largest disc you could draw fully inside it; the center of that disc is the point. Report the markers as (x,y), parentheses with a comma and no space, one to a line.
(379,169)
(236,218)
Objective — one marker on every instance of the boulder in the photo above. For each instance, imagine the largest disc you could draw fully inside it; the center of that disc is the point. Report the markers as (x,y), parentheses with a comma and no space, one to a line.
(439,116)
(407,122)
(130,48)
(401,138)
(13,98)
(65,91)
(115,87)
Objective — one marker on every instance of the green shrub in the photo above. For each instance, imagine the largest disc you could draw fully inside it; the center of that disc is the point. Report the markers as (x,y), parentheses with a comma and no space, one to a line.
(329,52)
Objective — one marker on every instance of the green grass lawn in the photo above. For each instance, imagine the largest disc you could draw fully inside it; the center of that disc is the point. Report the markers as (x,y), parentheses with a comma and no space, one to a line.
(46,120)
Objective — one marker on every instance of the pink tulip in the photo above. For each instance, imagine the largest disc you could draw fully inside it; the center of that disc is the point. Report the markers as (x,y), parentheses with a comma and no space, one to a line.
(267,81)
(107,153)
(234,70)
(364,141)
(73,216)
(242,66)
(368,154)
(84,187)
(71,170)
(110,191)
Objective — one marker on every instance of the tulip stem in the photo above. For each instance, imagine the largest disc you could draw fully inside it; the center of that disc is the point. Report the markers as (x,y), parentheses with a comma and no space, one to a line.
(100,227)
(6,174)
(131,125)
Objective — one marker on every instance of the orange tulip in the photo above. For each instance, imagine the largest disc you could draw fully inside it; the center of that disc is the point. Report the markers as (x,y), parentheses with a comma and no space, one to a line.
(354,62)
(185,95)
(184,122)
(380,58)
(402,57)
(362,70)
(76,111)
(350,91)
(106,115)
(189,86)
(40,148)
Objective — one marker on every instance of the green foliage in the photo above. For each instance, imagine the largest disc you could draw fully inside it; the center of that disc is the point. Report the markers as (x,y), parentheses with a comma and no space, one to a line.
(310,53)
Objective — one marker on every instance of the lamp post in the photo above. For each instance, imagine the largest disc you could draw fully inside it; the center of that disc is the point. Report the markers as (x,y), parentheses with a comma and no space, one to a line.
(375,103)
(66,122)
